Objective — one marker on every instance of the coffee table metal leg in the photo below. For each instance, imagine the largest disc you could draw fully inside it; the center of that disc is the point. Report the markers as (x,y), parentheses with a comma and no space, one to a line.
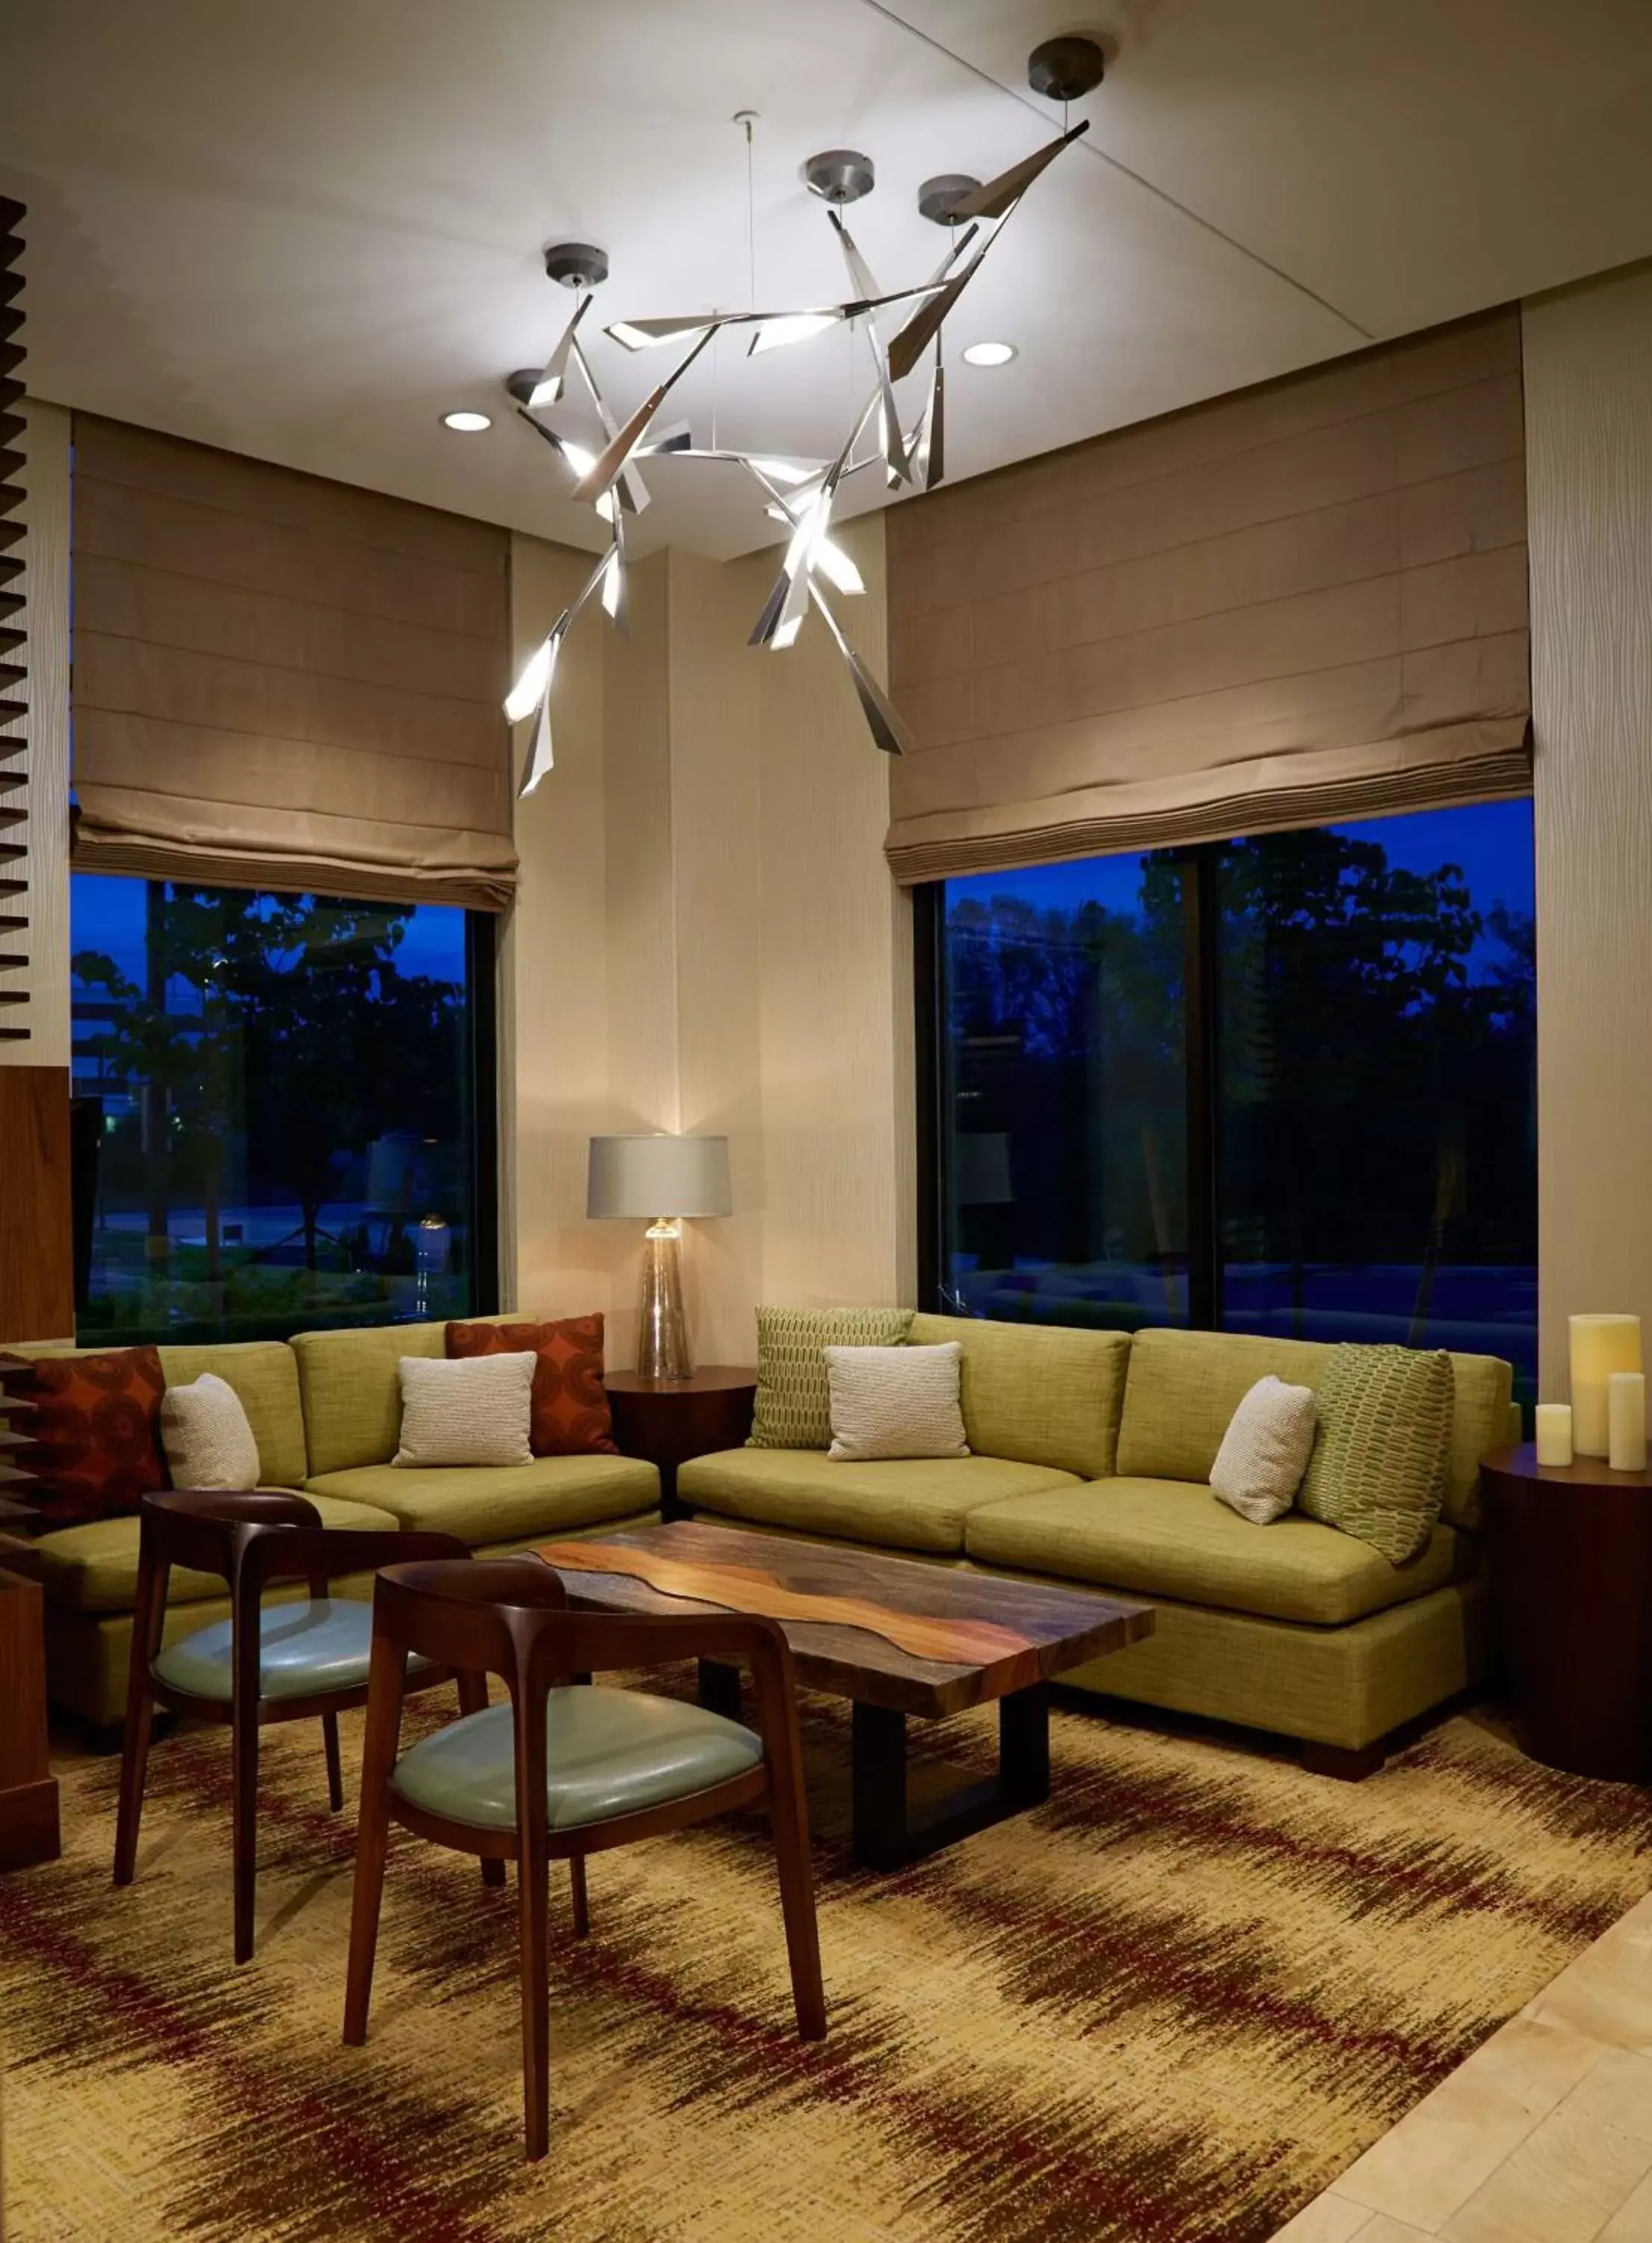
(878,1770)
(889,1835)
(1024,1746)
(720,1688)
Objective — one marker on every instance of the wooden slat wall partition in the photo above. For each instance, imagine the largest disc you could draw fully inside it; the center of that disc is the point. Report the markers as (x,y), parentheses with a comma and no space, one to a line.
(14,671)
(283,681)
(36,1255)
(1304,603)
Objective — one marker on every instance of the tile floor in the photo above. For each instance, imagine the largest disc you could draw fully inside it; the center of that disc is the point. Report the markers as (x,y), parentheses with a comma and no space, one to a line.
(1543,2135)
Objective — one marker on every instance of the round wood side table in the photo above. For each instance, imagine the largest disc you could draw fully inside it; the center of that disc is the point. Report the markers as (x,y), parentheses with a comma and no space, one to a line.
(1571,1574)
(666,1421)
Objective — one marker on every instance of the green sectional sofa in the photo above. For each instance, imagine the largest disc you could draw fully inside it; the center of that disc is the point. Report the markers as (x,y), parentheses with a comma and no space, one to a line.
(1090,1463)
(324,1412)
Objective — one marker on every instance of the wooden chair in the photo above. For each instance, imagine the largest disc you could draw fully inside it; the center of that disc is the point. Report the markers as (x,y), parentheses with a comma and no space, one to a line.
(288,1664)
(565,1770)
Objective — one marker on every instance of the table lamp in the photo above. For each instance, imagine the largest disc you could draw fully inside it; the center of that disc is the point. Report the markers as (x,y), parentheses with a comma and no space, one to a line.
(638,1177)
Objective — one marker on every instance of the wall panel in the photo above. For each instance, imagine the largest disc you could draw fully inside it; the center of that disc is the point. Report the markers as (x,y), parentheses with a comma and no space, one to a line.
(1589,374)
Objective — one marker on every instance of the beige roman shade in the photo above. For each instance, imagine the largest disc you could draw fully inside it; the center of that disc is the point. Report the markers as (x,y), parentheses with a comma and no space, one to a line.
(1302,603)
(282,681)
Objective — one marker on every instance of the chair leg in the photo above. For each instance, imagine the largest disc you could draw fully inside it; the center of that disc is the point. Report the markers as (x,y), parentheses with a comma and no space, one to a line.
(385,1679)
(532,1890)
(335,1773)
(581,1899)
(244,1784)
(788,1819)
(134,1766)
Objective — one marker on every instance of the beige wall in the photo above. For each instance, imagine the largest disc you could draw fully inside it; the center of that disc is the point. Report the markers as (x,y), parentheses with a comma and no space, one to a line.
(717,875)
(1588,417)
(45,587)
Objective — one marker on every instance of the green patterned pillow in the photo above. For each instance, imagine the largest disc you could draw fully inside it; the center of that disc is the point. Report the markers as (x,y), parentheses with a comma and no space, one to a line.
(1379,1464)
(794,1397)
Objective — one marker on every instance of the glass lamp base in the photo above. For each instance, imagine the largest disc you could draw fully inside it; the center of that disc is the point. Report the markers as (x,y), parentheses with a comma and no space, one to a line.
(662,1335)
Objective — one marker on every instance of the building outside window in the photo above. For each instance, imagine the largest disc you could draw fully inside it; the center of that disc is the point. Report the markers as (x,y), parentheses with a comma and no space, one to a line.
(276,1109)
(1283,1085)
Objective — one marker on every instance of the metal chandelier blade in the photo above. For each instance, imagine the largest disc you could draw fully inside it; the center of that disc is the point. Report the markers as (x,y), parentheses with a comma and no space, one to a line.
(884,724)
(928,466)
(633,490)
(896,464)
(625,441)
(542,757)
(576,457)
(548,388)
(997,198)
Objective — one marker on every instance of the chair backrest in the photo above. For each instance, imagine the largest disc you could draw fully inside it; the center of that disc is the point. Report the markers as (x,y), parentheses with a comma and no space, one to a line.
(510,1617)
(205,1529)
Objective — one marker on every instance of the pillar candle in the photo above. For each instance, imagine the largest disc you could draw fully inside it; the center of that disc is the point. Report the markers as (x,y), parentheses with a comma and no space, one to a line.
(1626,1421)
(1600,1346)
(1554,1433)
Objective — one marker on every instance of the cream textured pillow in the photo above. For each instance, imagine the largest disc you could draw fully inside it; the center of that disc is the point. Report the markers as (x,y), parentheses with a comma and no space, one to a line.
(895,1402)
(1266,1450)
(474,1411)
(208,1442)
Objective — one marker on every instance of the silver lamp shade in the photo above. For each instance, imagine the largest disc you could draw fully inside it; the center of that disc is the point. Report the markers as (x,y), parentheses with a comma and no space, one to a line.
(662,1179)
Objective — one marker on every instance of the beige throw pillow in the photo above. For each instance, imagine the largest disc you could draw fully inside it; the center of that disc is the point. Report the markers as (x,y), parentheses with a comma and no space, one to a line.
(895,1402)
(208,1441)
(1265,1450)
(476,1409)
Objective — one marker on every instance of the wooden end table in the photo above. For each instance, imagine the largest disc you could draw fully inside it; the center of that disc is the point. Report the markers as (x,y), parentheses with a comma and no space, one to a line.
(1570,1548)
(898,1638)
(29,1823)
(667,1421)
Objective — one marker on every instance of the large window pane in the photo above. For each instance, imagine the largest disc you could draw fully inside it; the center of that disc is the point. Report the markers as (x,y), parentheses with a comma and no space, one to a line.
(277,1089)
(1376,1130)
(1063,1161)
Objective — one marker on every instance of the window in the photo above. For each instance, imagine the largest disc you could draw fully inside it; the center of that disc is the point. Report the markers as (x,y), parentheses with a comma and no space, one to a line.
(279,1103)
(1284,1084)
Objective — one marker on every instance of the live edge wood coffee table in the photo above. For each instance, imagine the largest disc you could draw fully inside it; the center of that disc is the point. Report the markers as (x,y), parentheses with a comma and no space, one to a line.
(899,1639)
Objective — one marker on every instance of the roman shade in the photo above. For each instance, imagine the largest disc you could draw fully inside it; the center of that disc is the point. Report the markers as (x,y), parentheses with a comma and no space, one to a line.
(1301,603)
(282,681)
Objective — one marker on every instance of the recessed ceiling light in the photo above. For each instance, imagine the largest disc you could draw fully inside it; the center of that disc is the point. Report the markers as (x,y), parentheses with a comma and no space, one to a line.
(468,424)
(989,353)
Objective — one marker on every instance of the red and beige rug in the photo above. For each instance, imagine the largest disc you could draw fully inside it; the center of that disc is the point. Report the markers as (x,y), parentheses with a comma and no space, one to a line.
(1167,2008)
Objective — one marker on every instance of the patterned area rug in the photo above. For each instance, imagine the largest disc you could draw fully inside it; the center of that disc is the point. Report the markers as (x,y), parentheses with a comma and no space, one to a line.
(1169,2007)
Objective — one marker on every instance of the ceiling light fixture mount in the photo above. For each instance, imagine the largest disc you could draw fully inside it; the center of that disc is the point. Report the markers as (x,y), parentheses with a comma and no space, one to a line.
(576,263)
(938,198)
(839,176)
(1066,69)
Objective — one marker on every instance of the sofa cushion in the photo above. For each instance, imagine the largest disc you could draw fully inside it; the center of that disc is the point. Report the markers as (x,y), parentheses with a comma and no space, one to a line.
(352,1390)
(912,1504)
(1037,1394)
(1185,1386)
(571,1414)
(94,1568)
(498,1503)
(1166,1538)
(794,1406)
(91,1419)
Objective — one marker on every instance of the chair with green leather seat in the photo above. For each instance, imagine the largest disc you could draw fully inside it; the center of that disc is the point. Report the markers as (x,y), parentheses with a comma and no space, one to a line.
(566,1769)
(291,1663)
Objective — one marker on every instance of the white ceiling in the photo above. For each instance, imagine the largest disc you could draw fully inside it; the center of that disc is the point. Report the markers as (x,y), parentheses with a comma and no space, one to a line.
(302,231)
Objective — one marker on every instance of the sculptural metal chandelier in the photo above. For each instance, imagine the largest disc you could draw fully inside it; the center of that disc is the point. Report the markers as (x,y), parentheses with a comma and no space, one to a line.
(900,325)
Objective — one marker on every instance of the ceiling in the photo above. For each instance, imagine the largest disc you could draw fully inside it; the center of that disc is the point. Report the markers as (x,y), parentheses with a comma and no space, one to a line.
(303,232)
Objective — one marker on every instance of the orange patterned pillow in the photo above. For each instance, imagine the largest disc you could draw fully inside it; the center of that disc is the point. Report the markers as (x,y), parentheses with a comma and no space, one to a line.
(92,1422)
(570,1405)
